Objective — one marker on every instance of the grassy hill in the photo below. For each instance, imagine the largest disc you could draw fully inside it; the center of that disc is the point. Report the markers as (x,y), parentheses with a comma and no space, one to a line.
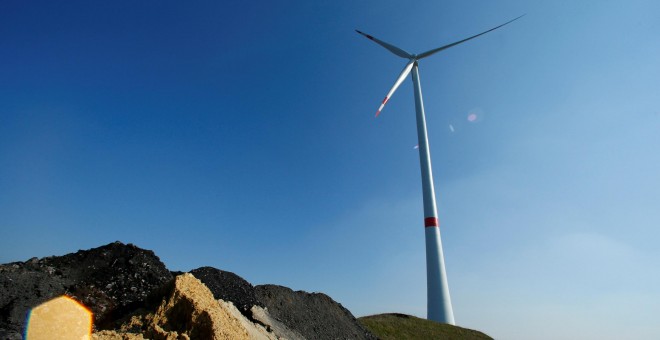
(401,326)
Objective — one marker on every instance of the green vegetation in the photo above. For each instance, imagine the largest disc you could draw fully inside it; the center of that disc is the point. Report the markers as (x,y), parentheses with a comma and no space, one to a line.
(401,326)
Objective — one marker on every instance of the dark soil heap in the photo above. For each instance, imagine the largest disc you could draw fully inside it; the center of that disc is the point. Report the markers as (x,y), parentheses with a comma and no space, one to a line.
(229,287)
(111,280)
(309,314)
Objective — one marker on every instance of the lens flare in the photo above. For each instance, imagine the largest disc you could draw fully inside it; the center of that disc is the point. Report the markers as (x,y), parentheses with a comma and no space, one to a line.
(475,115)
(61,318)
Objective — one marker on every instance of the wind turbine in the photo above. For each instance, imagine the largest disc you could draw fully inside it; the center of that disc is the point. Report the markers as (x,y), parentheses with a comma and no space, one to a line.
(438,301)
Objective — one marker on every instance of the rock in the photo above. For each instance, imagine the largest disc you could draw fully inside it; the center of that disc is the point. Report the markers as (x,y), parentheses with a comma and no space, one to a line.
(112,280)
(314,316)
(228,287)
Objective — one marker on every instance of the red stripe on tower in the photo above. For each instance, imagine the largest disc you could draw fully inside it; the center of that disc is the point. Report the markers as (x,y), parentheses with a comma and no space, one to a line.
(431,222)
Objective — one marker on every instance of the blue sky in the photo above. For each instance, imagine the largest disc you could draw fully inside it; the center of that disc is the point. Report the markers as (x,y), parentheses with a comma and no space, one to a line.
(242,136)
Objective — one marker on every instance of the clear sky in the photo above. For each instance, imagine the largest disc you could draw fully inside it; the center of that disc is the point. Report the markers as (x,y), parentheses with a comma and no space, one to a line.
(241,135)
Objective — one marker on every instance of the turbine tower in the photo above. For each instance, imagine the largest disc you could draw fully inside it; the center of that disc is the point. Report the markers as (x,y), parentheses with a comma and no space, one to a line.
(438,301)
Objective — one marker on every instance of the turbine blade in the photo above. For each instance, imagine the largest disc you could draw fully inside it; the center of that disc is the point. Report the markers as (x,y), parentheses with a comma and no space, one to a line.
(402,76)
(401,53)
(436,50)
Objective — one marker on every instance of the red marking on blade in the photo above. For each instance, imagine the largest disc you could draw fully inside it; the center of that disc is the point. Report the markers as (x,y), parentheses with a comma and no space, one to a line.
(431,222)
(385,100)
(377,113)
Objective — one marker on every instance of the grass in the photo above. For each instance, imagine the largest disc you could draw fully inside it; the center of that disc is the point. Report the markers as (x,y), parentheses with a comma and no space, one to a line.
(401,326)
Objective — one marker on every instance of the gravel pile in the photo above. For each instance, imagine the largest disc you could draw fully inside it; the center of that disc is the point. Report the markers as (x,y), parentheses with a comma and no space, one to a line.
(315,315)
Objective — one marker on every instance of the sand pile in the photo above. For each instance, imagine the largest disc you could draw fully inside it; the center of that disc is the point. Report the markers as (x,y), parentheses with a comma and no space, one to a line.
(188,311)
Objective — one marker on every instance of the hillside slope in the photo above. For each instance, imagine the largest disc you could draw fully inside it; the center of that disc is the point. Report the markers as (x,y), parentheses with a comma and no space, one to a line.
(401,326)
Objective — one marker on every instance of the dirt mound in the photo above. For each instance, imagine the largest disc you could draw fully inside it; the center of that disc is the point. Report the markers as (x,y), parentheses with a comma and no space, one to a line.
(111,280)
(315,315)
(229,287)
